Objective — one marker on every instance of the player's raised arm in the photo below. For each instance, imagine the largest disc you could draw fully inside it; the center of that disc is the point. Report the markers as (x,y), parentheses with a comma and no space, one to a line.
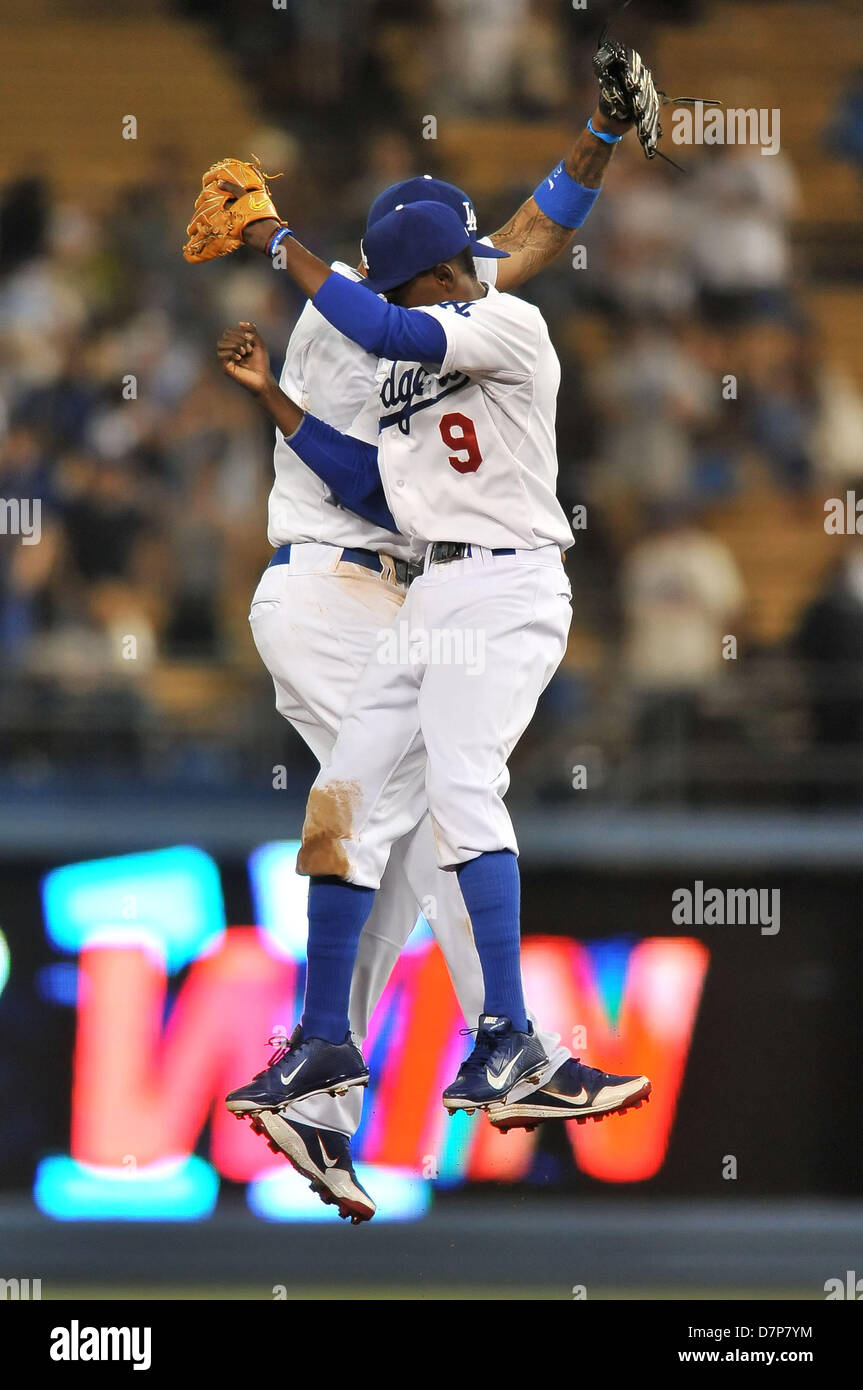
(545,223)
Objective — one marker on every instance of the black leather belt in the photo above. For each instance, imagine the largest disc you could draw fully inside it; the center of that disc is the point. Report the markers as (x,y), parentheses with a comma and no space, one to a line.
(369,558)
(444,551)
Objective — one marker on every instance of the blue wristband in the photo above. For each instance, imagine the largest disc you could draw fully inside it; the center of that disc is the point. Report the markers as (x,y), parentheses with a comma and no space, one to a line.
(277,239)
(563,200)
(603,135)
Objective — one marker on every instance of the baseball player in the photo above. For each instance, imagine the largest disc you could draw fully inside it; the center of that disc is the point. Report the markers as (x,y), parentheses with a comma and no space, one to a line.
(335,582)
(462,431)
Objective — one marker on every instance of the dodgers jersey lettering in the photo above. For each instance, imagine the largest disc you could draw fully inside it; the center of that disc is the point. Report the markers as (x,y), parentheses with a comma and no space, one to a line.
(467,451)
(331,377)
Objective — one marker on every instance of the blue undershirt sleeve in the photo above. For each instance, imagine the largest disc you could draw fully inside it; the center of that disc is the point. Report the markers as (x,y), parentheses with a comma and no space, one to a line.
(348,466)
(401,335)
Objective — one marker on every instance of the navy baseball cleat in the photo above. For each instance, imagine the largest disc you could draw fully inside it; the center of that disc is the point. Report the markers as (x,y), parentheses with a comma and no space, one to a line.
(300,1068)
(575,1092)
(501,1058)
(321,1155)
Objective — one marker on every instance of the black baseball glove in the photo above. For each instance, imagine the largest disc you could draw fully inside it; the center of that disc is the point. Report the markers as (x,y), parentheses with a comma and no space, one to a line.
(627,92)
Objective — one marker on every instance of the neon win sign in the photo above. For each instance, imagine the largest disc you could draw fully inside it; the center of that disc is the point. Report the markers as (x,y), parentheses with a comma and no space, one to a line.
(154,1056)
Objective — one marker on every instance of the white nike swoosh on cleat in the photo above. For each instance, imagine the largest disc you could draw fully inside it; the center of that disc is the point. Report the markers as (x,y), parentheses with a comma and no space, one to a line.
(286,1080)
(330,1162)
(581,1099)
(498,1082)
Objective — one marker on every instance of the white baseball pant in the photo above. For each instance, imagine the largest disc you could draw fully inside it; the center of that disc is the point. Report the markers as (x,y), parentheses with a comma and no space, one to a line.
(437,712)
(318,622)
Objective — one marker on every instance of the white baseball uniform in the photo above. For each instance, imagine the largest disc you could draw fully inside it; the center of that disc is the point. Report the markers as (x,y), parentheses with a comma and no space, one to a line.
(466,453)
(316,622)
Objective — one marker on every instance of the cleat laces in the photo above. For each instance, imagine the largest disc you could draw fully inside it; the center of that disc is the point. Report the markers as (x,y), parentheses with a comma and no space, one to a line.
(282,1045)
(484,1045)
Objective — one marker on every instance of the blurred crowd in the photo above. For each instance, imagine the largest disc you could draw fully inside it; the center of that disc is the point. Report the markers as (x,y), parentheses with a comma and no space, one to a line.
(151,475)
(694,386)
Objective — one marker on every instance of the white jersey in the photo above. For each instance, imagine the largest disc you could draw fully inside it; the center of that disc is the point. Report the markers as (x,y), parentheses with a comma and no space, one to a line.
(331,377)
(467,451)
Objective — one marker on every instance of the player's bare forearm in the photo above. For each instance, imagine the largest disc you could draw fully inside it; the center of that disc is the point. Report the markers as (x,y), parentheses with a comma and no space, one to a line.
(304,268)
(589,157)
(532,239)
(244,358)
(284,413)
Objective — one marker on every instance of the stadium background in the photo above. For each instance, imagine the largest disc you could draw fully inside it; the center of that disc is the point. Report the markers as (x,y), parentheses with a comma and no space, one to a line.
(654,763)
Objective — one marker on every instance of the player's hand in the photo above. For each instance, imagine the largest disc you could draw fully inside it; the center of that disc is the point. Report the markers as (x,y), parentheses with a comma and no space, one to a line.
(609,124)
(257,235)
(627,92)
(234,196)
(244,357)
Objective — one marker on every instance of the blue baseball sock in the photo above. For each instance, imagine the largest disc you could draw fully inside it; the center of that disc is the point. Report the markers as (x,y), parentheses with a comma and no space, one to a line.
(337,914)
(491,890)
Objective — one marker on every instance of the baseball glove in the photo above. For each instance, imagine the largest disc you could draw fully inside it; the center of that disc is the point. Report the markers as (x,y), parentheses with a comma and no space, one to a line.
(627,92)
(217,224)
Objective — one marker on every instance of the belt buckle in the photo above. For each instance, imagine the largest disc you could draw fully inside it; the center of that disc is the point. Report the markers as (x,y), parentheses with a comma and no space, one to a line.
(406,571)
(397,571)
(445,551)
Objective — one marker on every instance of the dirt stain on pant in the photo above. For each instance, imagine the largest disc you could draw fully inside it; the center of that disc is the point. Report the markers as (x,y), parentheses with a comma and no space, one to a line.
(329,822)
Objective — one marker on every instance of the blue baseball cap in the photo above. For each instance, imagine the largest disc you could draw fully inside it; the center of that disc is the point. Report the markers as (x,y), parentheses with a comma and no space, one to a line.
(426,189)
(414,238)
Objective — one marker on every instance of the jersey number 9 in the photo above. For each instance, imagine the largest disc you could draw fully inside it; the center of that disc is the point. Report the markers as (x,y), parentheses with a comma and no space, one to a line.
(458,433)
